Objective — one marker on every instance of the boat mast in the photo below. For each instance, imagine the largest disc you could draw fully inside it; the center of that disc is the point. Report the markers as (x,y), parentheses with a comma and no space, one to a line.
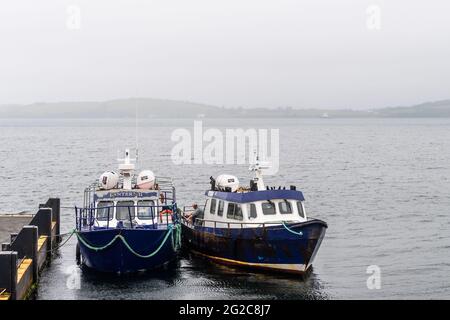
(258,167)
(126,169)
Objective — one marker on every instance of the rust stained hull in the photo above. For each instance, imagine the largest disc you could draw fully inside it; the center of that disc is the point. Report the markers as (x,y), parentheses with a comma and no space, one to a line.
(272,248)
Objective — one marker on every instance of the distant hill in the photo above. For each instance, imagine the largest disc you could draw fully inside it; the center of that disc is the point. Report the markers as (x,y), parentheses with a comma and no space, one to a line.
(123,108)
(437,109)
(158,108)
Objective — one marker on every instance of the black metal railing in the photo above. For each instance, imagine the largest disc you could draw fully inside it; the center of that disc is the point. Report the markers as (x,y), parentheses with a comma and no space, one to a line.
(201,222)
(87,217)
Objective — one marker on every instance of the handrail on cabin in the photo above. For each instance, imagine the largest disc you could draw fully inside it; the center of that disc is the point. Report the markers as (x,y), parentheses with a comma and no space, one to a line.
(85,216)
(263,224)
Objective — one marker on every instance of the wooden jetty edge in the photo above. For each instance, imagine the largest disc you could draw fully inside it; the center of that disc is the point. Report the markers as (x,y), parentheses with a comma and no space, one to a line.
(24,257)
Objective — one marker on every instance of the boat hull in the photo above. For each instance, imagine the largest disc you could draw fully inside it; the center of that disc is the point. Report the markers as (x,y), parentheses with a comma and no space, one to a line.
(288,249)
(118,258)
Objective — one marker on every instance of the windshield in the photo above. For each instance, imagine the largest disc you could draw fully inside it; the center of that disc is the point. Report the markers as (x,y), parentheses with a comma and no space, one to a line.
(103,207)
(144,210)
(124,209)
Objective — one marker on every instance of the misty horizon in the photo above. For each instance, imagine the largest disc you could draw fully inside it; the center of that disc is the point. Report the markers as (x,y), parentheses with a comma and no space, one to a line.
(218,106)
(316,54)
(164,108)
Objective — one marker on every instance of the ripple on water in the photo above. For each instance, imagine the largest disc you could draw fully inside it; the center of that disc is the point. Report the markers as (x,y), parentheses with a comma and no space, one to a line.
(380,185)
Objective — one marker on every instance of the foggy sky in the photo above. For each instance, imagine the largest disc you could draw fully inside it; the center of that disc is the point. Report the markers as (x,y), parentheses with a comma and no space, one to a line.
(249,53)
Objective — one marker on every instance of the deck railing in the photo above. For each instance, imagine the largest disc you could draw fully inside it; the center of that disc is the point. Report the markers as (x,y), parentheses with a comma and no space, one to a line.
(164,185)
(163,214)
(201,222)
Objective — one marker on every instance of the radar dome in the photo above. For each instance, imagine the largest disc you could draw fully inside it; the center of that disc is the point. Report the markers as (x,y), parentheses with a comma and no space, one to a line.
(225,181)
(109,180)
(146,180)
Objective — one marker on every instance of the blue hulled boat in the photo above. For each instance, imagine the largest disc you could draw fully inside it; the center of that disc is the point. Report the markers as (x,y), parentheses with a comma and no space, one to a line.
(257,227)
(128,223)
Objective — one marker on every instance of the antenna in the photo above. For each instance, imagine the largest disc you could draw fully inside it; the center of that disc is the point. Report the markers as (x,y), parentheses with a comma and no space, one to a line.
(126,169)
(258,166)
(136,128)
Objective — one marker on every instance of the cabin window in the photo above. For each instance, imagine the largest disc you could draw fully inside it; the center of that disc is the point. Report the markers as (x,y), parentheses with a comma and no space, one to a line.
(285,207)
(301,212)
(212,209)
(230,211)
(252,213)
(234,211)
(238,212)
(102,210)
(145,209)
(124,209)
(268,208)
(220,209)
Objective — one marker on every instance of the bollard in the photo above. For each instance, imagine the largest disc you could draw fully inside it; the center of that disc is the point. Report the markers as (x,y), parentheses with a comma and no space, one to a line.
(26,245)
(43,220)
(8,276)
(47,228)
(55,204)
(33,234)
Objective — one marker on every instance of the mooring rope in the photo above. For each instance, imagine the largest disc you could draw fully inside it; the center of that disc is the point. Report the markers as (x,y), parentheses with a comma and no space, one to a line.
(65,241)
(290,230)
(176,241)
(59,235)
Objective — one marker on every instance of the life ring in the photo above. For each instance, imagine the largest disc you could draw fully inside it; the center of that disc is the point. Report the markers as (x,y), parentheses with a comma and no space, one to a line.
(165,212)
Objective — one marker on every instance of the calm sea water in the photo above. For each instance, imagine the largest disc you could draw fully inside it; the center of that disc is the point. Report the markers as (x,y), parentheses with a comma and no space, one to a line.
(383,186)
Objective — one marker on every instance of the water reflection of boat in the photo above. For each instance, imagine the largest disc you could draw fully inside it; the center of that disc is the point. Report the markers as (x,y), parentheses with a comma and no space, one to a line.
(196,278)
(257,227)
(128,223)
(243,282)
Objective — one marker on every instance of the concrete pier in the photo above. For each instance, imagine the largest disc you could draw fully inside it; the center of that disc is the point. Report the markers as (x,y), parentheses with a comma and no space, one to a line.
(11,224)
(27,243)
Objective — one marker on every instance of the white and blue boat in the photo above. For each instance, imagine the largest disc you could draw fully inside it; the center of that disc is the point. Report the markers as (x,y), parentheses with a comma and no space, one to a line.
(257,227)
(128,223)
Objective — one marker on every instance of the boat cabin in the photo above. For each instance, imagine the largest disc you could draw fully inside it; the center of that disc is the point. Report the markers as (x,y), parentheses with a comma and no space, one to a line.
(253,207)
(128,201)
(115,207)
(231,205)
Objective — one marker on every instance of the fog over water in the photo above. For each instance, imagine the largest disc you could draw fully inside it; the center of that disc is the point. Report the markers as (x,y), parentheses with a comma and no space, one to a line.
(254,53)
